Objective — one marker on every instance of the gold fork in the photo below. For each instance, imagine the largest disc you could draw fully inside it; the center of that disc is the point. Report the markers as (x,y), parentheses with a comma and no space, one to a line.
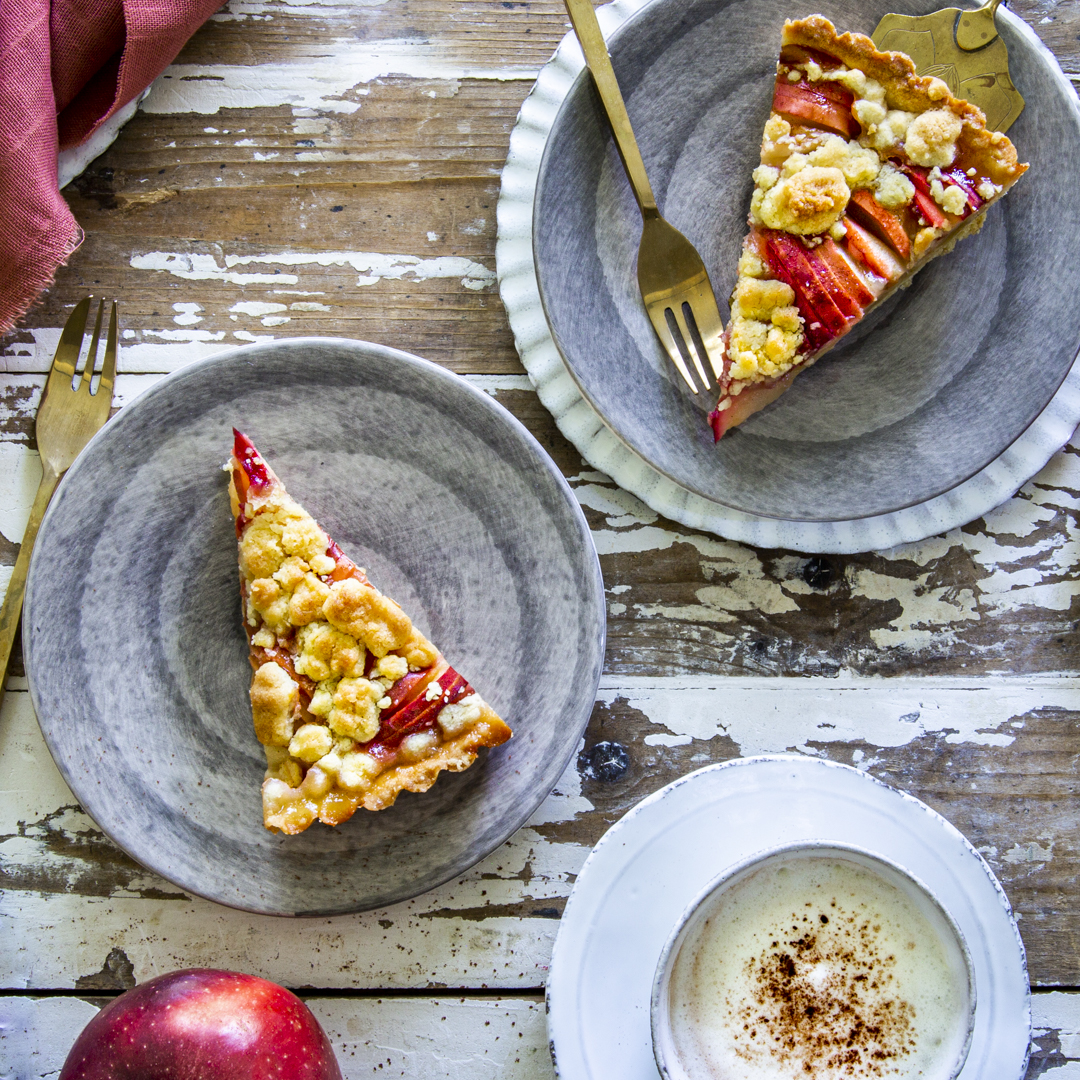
(66,420)
(673,280)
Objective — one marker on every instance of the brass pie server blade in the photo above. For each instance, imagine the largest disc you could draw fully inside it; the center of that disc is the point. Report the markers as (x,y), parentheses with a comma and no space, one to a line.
(963,49)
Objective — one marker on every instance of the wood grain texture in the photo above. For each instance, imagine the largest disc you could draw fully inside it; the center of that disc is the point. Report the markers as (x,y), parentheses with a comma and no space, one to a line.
(332,168)
(995,757)
(430,1039)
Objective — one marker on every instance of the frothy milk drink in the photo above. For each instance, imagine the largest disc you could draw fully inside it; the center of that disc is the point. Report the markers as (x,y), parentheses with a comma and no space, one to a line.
(819,967)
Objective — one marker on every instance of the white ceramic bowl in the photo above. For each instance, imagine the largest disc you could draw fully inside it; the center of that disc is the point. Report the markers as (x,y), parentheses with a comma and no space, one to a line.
(711,900)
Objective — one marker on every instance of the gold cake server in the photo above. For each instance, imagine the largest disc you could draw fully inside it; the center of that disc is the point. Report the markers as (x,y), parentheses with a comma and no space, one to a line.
(964,50)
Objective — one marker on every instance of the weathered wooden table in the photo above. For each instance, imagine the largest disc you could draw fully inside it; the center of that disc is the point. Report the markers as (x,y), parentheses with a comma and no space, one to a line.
(332,167)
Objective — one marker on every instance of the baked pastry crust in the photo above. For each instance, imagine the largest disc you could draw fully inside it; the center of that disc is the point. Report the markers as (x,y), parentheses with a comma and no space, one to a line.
(352,704)
(867,172)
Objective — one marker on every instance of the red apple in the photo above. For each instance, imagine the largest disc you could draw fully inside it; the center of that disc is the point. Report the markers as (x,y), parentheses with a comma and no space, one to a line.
(924,204)
(817,291)
(203,1025)
(417,715)
(929,210)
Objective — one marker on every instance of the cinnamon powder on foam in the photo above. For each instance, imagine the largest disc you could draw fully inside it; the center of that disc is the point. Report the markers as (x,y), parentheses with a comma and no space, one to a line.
(819,970)
(818,1001)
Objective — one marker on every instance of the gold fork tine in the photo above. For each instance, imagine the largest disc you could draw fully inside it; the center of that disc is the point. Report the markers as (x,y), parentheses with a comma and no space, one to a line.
(91,356)
(108,367)
(709,324)
(683,324)
(67,352)
(671,346)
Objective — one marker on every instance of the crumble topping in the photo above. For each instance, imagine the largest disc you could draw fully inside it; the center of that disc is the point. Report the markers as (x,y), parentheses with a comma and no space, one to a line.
(325,651)
(275,702)
(454,719)
(805,203)
(931,138)
(892,188)
(923,239)
(859,165)
(888,133)
(311,742)
(354,708)
(766,328)
(280,528)
(392,667)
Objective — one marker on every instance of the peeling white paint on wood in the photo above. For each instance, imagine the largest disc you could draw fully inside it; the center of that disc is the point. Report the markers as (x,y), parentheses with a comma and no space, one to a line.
(52,940)
(35,355)
(1012,576)
(237,10)
(318,82)
(37,1033)
(372,267)
(1058,1012)
(1029,853)
(20,475)
(28,387)
(771,715)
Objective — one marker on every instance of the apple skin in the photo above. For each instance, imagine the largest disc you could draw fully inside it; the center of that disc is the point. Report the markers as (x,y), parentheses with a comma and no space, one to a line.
(203,1024)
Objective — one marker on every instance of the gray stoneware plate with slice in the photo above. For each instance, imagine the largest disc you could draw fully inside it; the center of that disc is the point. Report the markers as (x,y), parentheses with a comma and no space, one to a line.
(926,392)
(137,660)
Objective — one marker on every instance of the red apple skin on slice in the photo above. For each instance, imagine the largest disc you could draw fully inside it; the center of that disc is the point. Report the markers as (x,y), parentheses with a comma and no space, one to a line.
(929,210)
(753,399)
(813,282)
(924,204)
(849,279)
(821,106)
(871,251)
(887,224)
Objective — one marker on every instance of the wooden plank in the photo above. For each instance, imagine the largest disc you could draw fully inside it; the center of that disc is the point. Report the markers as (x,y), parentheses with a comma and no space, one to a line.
(436,1038)
(423,1038)
(994,756)
(486,34)
(998,596)
(374,131)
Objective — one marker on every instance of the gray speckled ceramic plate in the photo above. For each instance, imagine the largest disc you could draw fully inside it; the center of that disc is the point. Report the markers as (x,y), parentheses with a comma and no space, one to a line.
(137,661)
(926,393)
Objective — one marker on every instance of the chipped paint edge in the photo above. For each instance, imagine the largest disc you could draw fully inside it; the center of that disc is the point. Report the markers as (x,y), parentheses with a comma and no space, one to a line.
(603,450)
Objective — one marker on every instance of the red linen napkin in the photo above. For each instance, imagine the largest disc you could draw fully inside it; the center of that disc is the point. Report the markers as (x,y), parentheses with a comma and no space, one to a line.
(65,67)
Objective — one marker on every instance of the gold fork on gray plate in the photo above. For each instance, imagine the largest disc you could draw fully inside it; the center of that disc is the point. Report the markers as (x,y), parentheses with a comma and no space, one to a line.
(66,420)
(673,280)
